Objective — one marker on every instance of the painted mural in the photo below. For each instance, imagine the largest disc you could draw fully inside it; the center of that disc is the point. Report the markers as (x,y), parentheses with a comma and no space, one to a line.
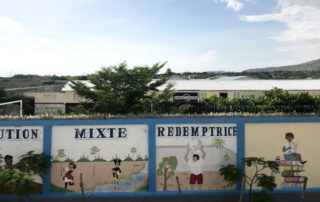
(110,158)
(194,153)
(293,145)
(16,141)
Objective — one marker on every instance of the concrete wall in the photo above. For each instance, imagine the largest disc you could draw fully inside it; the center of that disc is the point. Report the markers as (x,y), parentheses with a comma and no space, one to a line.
(260,137)
(267,139)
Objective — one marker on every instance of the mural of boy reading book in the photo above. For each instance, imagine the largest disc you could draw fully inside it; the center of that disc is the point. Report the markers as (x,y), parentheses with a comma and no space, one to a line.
(290,149)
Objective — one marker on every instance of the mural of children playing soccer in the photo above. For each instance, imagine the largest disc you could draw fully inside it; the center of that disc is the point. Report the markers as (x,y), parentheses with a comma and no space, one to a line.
(195,166)
(290,149)
(116,172)
(68,178)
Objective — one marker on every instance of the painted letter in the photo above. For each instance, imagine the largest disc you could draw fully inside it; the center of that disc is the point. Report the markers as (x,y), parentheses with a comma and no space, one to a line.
(91,133)
(122,131)
(160,131)
(178,131)
(81,134)
(219,131)
(170,131)
(185,131)
(9,131)
(204,131)
(235,131)
(34,134)
(101,135)
(2,134)
(25,134)
(212,131)
(17,134)
(194,131)
(111,131)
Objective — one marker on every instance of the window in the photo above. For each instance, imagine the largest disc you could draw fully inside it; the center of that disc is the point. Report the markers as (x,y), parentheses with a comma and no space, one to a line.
(224,95)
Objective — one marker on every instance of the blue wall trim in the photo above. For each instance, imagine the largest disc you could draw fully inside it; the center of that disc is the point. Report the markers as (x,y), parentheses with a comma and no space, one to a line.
(240,121)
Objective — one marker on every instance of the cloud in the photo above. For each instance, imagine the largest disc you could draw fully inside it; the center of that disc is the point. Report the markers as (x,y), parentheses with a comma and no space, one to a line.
(8,25)
(43,45)
(233,4)
(302,21)
(207,58)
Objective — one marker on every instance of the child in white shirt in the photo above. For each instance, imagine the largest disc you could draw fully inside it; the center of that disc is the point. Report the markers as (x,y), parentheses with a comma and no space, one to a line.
(290,149)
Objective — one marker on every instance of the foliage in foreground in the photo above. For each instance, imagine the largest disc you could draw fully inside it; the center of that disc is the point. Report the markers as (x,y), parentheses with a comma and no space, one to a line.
(266,182)
(18,179)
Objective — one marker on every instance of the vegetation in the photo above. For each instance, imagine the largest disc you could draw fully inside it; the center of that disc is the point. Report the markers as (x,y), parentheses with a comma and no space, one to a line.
(83,158)
(275,100)
(166,168)
(133,150)
(59,190)
(234,175)
(18,179)
(93,151)
(61,154)
(120,90)
(8,96)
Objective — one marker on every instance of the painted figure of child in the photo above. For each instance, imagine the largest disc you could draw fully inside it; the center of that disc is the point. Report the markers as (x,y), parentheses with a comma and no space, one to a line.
(195,166)
(8,161)
(290,149)
(68,178)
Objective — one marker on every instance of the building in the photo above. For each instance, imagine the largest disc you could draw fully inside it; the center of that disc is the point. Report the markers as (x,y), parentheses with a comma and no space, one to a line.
(58,99)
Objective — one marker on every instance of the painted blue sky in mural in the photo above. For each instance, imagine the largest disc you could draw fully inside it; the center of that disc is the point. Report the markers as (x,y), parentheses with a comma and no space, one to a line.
(79,36)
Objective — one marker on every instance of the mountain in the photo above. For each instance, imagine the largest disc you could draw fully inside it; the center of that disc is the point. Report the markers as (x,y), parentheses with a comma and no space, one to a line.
(313,65)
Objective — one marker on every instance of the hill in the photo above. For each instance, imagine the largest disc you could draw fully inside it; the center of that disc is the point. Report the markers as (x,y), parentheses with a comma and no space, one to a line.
(313,65)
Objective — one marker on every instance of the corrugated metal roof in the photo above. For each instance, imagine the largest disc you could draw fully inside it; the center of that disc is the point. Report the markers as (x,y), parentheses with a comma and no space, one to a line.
(67,87)
(260,85)
(241,85)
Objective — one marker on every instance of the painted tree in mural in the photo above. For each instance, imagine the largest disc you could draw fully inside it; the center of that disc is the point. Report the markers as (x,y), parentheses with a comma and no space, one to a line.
(93,151)
(219,144)
(166,168)
(133,151)
(61,154)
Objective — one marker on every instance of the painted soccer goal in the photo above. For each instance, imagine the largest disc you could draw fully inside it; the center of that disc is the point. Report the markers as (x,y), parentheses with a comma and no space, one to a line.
(5,104)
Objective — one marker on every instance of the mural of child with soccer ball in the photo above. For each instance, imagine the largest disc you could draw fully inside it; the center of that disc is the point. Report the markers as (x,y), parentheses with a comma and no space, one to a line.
(116,173)
(68,178)
(195,165)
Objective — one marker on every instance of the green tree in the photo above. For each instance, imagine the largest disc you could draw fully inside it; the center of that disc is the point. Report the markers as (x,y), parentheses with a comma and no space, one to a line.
(60,155)
(218,143)
(160,103)
(133,151)
(120,90)
(166,168)
(93,151)
(276,99)
(267,182)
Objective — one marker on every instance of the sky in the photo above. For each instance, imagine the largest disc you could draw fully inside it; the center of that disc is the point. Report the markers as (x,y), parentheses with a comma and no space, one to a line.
(78,37)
